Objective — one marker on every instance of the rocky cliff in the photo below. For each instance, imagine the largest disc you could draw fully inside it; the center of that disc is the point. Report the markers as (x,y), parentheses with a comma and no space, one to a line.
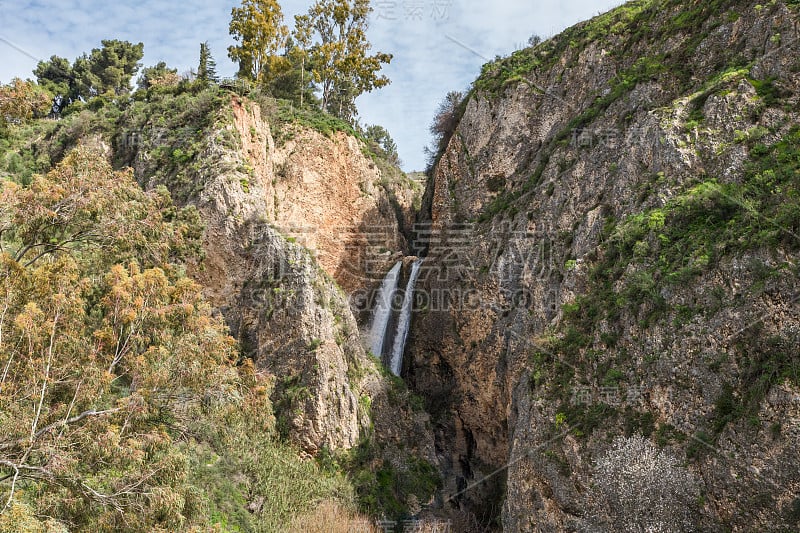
(612,235)
(294,230)
(287,218)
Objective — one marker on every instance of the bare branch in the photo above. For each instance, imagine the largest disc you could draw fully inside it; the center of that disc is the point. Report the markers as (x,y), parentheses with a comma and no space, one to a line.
(77,485)
(59,424)
(13,482)
(69,410)
(75,419)
(49,248)
(46,378)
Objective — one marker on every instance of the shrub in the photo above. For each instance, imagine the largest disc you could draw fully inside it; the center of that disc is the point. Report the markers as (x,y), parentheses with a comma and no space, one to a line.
(638,487)
(444,124)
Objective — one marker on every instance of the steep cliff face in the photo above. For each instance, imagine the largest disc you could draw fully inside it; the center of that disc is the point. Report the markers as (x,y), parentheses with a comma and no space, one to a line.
(328,195)
(289,222)
(613,249)
(287,227)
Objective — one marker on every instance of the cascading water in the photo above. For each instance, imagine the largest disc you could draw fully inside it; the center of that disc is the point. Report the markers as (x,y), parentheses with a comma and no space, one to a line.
(390,324)
(383,310)
(404,322)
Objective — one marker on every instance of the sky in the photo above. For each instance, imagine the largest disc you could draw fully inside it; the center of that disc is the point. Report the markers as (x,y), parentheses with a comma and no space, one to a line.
(438,45)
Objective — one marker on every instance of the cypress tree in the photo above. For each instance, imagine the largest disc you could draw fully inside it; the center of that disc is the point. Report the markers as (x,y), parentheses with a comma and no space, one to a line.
(207,70)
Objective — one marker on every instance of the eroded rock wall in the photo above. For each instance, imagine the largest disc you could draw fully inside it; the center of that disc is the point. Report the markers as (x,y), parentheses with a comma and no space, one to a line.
(293,232)
(541,172)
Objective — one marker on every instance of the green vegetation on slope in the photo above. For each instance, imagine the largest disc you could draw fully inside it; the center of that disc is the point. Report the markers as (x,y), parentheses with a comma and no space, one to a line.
(667,248)
(627,29)
(213,457)
(623,28)
(141,420)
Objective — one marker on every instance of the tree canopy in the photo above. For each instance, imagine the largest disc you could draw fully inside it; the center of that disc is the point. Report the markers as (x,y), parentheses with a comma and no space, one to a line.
(158,75)
(258,26)
(339,57)
(23,100)
(105,347)
(328,47)
(56,75)
(108,69)
(288,78)
(380,136)
(105,70)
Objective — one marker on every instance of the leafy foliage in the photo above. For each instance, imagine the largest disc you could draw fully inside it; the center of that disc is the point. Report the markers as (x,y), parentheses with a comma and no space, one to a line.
(118,357)
(289,79)
(23,100)
(383,141)
(339,57)
(258,26)
(56,76)
(73,207)
(159,75)
(108,69)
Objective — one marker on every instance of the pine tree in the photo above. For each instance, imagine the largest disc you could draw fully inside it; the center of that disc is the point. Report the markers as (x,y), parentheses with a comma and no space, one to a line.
(383,142)
(108,69)
(56,76)
(207,70)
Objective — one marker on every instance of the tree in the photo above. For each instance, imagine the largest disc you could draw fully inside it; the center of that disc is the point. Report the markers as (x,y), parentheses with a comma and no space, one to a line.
(339,58)
(23,100)
(534,40)
(380,136)
(108,69)
(641,488)
(288,79)
(76,207)
(444,125)
(207,69)
(56,76)
(158,76)
(258,26)
(302,35)
(107,353)
(342,101)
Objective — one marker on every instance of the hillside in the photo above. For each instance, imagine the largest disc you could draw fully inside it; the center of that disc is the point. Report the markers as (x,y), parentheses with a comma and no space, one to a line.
(628,193)
(600,276)
(267,252)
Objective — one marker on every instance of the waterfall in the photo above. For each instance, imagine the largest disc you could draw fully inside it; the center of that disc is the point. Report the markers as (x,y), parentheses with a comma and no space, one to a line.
(390,325)
(383,310)
(396,362)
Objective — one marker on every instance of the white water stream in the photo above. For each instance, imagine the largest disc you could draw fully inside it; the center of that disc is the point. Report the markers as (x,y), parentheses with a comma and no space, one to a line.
(390,325)
(383,310)
(404,321)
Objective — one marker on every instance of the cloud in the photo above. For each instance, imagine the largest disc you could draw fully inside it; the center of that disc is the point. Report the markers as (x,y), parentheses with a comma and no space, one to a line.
(426,63)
